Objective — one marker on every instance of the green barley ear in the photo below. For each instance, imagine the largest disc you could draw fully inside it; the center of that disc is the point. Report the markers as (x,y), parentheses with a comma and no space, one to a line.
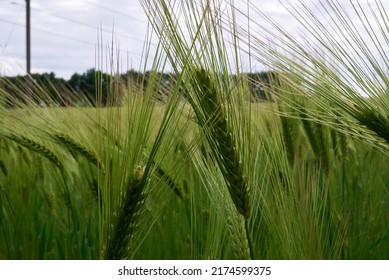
(373,120)
(339,140)
(317,137)
(76,147)
(127,217)
(290,130)
(178,190)
(223,141)
(35,146)
(241,246)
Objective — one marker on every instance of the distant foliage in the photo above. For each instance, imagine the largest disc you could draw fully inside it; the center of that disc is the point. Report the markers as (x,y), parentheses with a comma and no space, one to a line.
(95,87)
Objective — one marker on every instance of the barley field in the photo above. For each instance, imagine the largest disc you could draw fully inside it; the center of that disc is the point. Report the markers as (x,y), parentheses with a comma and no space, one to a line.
(208,173)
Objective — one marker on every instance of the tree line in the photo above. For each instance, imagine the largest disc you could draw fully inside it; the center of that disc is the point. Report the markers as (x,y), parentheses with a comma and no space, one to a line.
(94,87)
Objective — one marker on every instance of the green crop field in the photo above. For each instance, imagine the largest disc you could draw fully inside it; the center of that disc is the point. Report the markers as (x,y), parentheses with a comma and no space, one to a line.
(207,173)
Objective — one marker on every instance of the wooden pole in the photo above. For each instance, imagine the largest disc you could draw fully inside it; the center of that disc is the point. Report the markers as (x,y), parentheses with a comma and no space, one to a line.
(28,38)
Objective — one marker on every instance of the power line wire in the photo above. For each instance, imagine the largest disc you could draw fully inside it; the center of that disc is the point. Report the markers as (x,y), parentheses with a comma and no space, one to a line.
(126,52)
(82,23)
(15,62)
(113,11)
(64,36)
(12,2)
(12,30)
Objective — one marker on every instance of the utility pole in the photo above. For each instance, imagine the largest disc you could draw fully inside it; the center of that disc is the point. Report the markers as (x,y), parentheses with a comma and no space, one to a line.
(28,37)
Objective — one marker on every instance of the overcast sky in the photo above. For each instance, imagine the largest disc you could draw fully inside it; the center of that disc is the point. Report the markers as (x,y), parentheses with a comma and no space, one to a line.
(65,33)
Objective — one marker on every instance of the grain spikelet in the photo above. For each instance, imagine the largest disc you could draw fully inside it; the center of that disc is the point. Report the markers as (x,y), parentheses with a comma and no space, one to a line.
(129,211)
(317,137)
(373,120)
(178,190)
(36,147)
(76,147)
(240,242)
(223,143)
(289,129)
